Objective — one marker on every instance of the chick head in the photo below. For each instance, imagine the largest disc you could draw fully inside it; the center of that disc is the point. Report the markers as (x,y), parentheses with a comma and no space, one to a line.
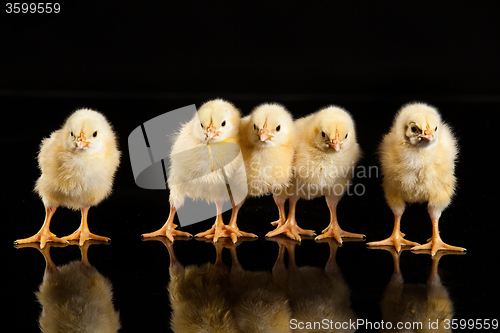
(418,123)
(219,121)
(334,129)
(85,131)
(272,125)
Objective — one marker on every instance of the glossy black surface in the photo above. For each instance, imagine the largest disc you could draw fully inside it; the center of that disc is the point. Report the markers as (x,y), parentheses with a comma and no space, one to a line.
(134,63)
(139,270)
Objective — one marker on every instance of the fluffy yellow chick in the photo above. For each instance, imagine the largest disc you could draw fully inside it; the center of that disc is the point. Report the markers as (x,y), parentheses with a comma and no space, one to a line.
(418,158)
(78,163)
(325,156)
(202,159)
(267,143)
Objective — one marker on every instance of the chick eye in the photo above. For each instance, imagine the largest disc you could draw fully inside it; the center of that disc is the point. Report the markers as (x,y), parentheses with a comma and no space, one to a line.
(71,133)
(413,129)
(346,136)
(223,123)
(95,134)
(278,128)
(436,129)
(201,125)
(323,134)
(254,126)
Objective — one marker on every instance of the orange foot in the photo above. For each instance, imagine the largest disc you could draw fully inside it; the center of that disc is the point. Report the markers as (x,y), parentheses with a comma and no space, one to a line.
(334,231)
(291,230)
(84,235)
(219,230)
(43,236)
(242,233)
(395,240)
(169,231)
(435,244)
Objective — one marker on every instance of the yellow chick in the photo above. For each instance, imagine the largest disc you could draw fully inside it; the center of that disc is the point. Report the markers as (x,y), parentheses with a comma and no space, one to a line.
(78,163)
(325,156)
(267,143)
(203,157)
(418,158)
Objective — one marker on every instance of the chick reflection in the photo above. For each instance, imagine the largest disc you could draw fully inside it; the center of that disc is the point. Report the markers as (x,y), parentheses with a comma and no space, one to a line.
(425,307)
(319,298)
(261,300)
(199,295)
(216,298)
(75,297)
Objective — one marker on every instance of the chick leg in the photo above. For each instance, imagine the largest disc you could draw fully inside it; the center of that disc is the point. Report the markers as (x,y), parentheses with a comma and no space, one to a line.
(396,239)
(219,223)
(290,228)
(333,229)
(83,233)
(436,243)
(168,229)
(43,235)
(232,226)
(280,203)
(219,229)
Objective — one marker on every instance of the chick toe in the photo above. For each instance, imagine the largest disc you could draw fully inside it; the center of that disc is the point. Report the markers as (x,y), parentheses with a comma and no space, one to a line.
(436,244)
(169,228)
(235,230)
(334,231)
(291,230)
(83,233)
(206,233)
(169,231)
(288,229)
(396,240)
(220,230)
(44,235)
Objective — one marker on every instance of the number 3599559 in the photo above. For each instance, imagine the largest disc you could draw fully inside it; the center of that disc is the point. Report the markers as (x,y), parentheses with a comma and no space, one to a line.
(33,7)
(471,324)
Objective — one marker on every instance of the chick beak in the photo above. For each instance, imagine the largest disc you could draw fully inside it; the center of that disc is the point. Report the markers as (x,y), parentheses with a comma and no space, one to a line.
(335,143)
(427,135)
(264,135)
(211,132)
(81,141)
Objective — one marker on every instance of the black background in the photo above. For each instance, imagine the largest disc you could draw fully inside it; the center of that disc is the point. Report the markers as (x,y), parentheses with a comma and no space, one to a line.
(134,61)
